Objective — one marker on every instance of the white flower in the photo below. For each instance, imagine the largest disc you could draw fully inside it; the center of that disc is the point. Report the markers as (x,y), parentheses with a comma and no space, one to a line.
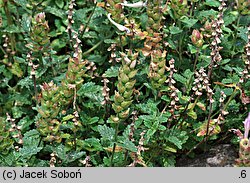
(135,5)
(119,26)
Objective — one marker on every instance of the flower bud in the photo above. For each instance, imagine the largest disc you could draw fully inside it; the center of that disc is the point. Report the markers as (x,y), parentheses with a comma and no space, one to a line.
(121,88)
(132,74)
(124,78)
(124,114)
(125,104)
(127,94)
(40,17)
(133,64)
(117,108)
(130,85)
(208,26)
(197,38)
(114,118)
(118,97)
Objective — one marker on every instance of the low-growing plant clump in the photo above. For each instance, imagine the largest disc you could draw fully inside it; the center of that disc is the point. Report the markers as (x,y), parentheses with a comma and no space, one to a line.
(122,83)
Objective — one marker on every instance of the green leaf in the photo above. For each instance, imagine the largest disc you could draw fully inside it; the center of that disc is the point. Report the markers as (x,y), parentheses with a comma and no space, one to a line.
(13,29)
(16,69)
(25,83)
(227,81)
(26,22)
(31,142)
(74,156)
(188,21)
(143,20)
(180,78)
(170,149)
(192,114)
(68,117)
(207,13)
(2,68)
(91,90)
(31,138)
(212,3)
(175,141)
(92,120)
(27,152)
(169,161)
(55,11)
(57,44)
(242,33)
(99,59)
(112,72)
(59,3)
(192,48)
(106,132)
(149,108)
(61,152)
(22,3)
(25,123)
(127,144)
(91,144)
(174,30)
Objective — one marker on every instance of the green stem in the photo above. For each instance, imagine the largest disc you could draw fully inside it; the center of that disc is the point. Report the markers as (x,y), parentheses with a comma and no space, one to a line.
(229,100)
(235,36)
(196,59)
(92,49)
(180,45)
(88,21)
(114,146)
(209,117)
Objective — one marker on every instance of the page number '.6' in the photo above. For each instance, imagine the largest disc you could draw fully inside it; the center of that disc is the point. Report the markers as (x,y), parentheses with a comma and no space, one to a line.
(243,174)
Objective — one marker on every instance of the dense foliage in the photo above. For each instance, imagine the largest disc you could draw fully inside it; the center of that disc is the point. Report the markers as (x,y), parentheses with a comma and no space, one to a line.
(117,83)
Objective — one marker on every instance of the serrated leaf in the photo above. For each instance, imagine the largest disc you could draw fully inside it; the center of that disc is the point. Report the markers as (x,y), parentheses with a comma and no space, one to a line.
(13,29)
(242,33)
(149,108)
(27,152)
(26,23)
(174,30)
(55,11)
(61,152)
(74,156)
(16,69)
(112,72)
(127,144)
(214,129)
(180,78)
(189,22)
(207,13)
(106,132)
(91,144)
(91,90)
(175,141)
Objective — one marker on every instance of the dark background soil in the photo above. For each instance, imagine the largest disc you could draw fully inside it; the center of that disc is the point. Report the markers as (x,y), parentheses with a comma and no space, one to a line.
(221,155)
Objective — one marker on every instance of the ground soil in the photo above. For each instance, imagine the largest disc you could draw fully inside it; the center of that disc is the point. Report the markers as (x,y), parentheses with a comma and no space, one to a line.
(221,155)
